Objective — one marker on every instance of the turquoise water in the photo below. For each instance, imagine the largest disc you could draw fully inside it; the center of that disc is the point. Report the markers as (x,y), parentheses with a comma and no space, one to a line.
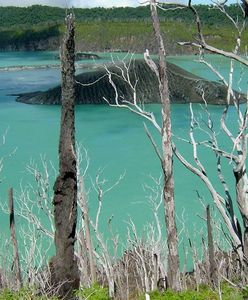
(46,58)
(115,141)
(11,59)
(221,64)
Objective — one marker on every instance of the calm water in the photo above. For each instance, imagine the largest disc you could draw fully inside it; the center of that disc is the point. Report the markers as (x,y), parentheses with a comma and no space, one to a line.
(115,141)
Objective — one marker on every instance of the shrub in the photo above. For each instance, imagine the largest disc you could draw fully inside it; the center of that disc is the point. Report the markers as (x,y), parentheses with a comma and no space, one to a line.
(22,294)
(204,293)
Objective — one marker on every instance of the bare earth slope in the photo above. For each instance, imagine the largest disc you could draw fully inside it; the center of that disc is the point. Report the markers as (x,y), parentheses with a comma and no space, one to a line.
(184,87)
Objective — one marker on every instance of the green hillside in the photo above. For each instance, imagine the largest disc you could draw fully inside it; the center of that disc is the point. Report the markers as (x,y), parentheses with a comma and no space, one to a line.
(98,29)
(36,14)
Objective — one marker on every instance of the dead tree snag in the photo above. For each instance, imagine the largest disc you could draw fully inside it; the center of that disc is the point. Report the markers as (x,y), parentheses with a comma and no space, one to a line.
(65,269)
(167,158)
(16,260)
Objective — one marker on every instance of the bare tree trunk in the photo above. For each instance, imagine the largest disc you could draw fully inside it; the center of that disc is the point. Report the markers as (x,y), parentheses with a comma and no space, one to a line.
(155,262)
(212,263)
(242,199)
(64,265)
(87,235)
(16,261)
(167,162)
(167,157)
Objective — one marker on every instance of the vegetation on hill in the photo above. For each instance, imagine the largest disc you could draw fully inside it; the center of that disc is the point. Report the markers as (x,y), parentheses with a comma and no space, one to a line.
(34,38)
(99,29)
(37,14)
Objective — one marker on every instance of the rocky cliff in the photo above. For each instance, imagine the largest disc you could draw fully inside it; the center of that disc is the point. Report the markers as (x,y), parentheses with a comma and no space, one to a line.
(184,87)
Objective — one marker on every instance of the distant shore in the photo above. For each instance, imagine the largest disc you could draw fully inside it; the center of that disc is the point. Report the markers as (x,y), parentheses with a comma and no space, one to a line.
(43,67)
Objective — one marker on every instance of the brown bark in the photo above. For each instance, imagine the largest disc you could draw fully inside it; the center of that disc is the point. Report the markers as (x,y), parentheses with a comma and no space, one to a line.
(212,263)
(167,161)
(16,262)
(64,266)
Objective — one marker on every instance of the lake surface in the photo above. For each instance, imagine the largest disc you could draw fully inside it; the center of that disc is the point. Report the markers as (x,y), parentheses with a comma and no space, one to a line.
(115,141)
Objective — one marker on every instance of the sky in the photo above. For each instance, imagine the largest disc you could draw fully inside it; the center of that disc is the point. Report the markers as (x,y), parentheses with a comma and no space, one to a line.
(87,3)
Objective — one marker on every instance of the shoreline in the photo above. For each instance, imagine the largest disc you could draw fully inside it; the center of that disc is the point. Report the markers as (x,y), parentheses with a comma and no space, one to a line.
(43,67)
(80,65)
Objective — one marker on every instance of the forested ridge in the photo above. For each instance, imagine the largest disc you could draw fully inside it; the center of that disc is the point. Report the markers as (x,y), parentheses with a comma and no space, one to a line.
(37,14)
(99,29)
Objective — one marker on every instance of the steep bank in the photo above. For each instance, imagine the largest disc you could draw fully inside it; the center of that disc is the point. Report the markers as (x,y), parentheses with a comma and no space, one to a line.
(184,87)
(36,38)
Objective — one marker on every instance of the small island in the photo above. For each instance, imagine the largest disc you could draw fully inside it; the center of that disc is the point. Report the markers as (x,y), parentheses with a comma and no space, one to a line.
(184,87)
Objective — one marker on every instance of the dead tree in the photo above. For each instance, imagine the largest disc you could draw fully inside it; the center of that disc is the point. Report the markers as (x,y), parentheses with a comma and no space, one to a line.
(237,155)
(212,262)
(63,265)
(83,205)
(201,43)
(166,157)
(16,262)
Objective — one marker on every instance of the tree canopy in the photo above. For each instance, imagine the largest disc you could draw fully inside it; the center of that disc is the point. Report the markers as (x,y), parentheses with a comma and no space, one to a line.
(38,14)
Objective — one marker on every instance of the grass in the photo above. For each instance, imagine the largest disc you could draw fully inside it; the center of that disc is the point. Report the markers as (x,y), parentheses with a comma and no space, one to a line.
(22,294)
(204,293)
(96,292)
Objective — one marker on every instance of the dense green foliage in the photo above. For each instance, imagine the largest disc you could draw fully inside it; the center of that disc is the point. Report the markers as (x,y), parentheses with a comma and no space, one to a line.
(204,293)
(17,37)
(100,29)
(36,14)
